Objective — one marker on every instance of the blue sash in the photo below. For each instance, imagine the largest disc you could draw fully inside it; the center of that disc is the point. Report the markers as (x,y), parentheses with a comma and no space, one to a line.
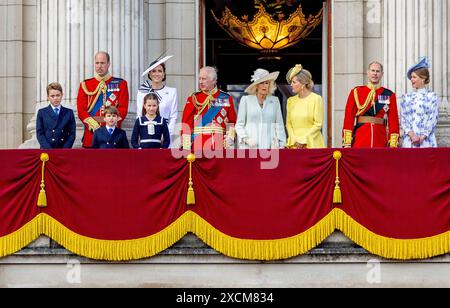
(223,100)
(207,118)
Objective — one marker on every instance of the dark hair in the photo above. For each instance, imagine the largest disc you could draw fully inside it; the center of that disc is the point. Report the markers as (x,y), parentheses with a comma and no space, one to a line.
(153,97)
(54,86)
(111,110)
(423,73)
(164,70)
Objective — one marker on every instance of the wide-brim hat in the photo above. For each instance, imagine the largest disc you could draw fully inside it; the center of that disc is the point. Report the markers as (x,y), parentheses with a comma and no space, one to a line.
(155,64)
(423,63)
(261,76)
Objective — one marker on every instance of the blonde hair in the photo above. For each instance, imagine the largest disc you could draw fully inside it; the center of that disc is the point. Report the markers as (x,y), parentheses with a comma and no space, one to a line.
(54,86)
(305,77)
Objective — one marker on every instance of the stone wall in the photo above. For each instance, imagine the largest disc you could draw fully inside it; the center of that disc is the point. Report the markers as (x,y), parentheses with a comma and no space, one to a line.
(171,27)
(357,41)
(17,70)
(191,264)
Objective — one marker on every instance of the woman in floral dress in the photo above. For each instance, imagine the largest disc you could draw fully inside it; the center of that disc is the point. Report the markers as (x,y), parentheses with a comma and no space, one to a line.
(420,110)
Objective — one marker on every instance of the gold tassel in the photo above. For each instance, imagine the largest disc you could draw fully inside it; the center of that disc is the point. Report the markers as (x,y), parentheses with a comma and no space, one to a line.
(191,193)
(337,196)
(42,200)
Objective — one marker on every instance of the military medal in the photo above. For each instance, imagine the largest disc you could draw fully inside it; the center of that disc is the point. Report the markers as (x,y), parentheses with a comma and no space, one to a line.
(385,100)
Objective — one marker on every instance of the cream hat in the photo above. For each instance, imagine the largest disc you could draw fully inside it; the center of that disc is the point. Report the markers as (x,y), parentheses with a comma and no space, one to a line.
(261,76)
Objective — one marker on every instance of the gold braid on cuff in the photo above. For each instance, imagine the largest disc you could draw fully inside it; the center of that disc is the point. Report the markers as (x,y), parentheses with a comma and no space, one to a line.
(187,144)
(93,125)
(393,142)
(348,138)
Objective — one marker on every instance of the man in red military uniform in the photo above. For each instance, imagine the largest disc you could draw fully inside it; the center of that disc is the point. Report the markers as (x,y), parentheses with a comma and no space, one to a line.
(98,93)
(209,116)
(371,116)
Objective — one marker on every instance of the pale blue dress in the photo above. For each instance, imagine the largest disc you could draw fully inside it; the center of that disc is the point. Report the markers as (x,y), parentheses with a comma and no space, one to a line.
(263,126)
(419,114)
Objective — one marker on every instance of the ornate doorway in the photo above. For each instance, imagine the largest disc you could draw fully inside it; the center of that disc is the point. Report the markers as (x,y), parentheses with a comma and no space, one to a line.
(237,62)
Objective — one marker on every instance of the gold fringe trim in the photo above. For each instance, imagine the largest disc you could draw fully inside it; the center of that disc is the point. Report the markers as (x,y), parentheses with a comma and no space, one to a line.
(115,250)
(263,250)
(20,239)
(390,248)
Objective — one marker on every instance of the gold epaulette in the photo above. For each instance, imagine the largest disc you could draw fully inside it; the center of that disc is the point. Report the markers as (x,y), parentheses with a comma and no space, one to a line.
(89,93)
(370,100)
(194,97)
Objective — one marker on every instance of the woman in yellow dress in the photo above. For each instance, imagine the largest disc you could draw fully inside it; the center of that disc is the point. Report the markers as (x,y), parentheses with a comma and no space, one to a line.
(304,112)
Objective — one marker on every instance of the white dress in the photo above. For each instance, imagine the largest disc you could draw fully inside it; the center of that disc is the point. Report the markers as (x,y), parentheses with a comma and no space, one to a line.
(168,105)
(419,114)
(264,127)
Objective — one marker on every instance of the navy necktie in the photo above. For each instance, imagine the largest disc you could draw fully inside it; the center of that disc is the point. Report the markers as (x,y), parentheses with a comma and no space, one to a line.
(111,131)
(57,112)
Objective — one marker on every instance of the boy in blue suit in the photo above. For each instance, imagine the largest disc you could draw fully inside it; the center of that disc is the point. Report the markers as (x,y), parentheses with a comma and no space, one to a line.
(110,136)
(55,124)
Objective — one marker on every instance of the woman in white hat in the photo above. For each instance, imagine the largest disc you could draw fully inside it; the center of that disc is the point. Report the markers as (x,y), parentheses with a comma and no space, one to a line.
(304,112)
(168,97)
(260,122)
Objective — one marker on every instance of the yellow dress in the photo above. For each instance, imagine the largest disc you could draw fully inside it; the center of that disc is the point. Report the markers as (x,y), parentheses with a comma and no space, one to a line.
(305,120)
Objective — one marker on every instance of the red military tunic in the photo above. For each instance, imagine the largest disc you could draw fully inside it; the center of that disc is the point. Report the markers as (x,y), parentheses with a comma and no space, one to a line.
(371,118)
(95,94)
(207,119)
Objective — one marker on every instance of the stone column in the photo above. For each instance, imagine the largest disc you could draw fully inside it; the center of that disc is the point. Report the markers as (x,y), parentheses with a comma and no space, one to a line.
(69,33)
(17,42)
(412,29)
(348,63)
(171,28)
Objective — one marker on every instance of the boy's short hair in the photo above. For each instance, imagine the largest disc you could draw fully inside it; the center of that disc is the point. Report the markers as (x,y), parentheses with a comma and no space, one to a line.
(54,86)
(111,110)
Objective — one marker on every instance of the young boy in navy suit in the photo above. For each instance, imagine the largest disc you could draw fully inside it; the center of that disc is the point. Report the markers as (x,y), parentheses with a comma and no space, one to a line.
(110,136)
(55,124)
